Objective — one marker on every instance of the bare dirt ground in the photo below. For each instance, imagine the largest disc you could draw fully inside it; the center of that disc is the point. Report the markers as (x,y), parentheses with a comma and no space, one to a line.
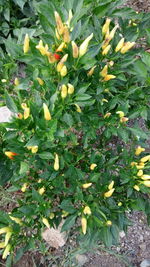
(134,246)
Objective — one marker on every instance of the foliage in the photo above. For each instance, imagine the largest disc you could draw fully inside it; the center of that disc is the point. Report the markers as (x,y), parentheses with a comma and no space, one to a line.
(70,146)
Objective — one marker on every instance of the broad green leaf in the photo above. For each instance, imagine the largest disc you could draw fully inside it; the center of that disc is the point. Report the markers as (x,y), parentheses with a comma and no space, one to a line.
(13,48)
(107,236)
(67,206)
(67,118)
(20,3)
(46,155)
(24,167)
(33,142)
(100,11)
(19,253)
(138,132)
(140,69)
(69,222)
(36,196)
(10,103)
(82,97)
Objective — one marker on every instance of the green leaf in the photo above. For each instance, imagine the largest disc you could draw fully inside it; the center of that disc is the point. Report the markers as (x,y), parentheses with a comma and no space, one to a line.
(67,118)
(9,261)
(24,167)
(76,31)
(69,222)
(20,3)
(138,132)
(10,103)
(146,58)
(46,155)
(107,236)
(82,97)
(47,27)
(33,142)
(140,69)
(67,206)
(19,254)
(7,14)
(4,217)
(100,11)
(28,210)
(123,133)
(36,196)
(13,48)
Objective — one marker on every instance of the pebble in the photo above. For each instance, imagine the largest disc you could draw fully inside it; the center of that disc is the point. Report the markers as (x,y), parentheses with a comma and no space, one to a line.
(122,234)
(145,263)
(81,259)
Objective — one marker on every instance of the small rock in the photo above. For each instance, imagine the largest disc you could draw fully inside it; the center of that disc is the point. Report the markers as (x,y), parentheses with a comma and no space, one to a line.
(54,237)
(143,246)
(122,234)
(145,263)
(81,259)
(5,114)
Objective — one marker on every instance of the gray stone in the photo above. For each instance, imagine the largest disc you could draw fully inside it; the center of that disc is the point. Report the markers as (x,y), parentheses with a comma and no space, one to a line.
(81,259)
(5,114)
(122,234)
(145,263)
(54,237)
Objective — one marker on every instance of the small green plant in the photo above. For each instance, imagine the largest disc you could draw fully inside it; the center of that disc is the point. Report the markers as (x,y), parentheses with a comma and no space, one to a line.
(69,144)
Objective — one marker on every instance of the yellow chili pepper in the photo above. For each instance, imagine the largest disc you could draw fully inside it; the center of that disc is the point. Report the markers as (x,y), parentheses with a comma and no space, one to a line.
(109,77)
(84,225)
(63,71)
(109,223)
(70,89)
(26,44)
(104,71)
(40,81)
(109,193)
(91,71)
(16,81)
(85,186)
(139,150)
(45,221)
(105,27)
(47,115)
(146,183)
(87,210)
(140,173)
(75,50)
(60,26)
(41,190)
(56,163)
(78,108)
(84,46)
(93,166)
(136,187)
(144,159)
(63,91)
(106,50)
(119,45)
(7,237)
(120,113)
(6,229)
(127,46)
(111,185)
(66,35)
(6,251)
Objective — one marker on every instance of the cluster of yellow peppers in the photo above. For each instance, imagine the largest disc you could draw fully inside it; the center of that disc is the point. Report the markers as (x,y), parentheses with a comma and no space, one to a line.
(122,46)
(67,90)
(144,178)
(8,231)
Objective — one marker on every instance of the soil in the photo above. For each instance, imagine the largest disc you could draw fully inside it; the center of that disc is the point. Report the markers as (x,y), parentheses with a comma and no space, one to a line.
(133,248)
